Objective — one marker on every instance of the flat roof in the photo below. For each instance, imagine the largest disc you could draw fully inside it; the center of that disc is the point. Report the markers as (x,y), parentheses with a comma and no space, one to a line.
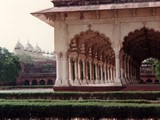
(58,3)
(99,7)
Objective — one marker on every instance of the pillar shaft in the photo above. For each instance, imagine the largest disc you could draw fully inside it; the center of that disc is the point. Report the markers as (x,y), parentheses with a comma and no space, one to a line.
(65,79)
(125,68)
(96,70)
(76,81)
(84,71)
(70,70)
(79,71)
(91,71)
(58,69)
(122,70)
(117,65)
(105,72)
(109,75)
(101,67)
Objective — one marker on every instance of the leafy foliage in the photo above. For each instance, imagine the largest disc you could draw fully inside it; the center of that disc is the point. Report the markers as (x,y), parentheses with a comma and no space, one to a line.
(84,96)
(93,106)
(67,109)
(9,67)
(156,68)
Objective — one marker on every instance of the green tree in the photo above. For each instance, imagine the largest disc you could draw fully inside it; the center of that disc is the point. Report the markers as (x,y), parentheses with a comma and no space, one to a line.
(156,68)
(9,67)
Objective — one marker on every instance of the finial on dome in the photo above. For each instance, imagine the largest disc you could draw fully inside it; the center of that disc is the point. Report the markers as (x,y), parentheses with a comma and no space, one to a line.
(28,41)
(18,45)
(29,47)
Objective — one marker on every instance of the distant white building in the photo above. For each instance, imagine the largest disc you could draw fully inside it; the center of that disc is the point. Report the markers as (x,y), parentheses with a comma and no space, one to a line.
(35,53)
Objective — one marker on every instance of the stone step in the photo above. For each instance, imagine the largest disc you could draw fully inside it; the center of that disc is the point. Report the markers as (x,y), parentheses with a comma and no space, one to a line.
(88,88)
(139,87)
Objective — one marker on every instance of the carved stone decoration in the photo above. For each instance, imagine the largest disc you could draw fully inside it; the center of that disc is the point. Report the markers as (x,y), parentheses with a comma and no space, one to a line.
(89,26)
(50,17)
(86,41)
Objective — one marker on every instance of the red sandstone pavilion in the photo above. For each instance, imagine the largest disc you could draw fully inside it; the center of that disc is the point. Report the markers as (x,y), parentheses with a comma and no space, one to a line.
(100,44)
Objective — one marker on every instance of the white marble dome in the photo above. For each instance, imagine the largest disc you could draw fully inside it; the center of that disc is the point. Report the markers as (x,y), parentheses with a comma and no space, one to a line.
(19,46)
(29,47)
(38,49)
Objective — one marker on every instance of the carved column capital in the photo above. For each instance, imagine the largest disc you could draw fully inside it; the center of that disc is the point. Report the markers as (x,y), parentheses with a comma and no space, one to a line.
(58,55)
(64,55)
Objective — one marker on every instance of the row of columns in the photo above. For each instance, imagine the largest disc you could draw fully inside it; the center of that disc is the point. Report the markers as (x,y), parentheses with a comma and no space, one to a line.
(80,71)
(83,71)
(129,70)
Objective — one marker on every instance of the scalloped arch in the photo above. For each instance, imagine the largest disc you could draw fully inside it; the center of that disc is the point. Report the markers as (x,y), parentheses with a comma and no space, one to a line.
(91,40)
(142,43)
(77,36)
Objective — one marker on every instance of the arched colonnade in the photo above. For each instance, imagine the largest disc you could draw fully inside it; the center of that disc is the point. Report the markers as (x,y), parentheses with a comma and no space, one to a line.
(91,59)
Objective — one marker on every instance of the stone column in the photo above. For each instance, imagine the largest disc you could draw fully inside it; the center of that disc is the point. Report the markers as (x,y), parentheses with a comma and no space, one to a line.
(70,71)
(109,73)
(84,71)
(98,71)
(114,73)
(65,80)
(101,68)
(122,70)
(96,68)
(126,72)
(105,72)
(128,75)
(79,71)
(117,60)
(87,77)
(91,71)
(58,69)
(125,69)
(76,81)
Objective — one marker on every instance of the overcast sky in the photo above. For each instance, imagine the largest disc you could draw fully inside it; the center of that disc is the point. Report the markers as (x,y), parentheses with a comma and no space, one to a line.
(16,22)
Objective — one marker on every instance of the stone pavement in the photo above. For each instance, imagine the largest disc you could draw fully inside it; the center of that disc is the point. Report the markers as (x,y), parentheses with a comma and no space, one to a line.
(27,90)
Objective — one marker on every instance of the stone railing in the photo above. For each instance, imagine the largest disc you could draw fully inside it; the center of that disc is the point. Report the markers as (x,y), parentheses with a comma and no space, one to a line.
(59,3)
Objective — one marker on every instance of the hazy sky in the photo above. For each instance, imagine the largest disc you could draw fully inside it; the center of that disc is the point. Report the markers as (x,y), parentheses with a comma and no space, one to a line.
(16,22)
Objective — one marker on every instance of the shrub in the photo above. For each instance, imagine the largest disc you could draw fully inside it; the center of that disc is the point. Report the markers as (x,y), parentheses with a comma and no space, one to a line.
(66,109)
(80,95)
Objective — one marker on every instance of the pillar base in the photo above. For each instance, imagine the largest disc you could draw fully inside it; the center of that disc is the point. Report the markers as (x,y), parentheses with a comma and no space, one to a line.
(96,82)
(84,82)
(76,82)
(123,81)
(66,83)
(91,81)
(58,82)
(118,82)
